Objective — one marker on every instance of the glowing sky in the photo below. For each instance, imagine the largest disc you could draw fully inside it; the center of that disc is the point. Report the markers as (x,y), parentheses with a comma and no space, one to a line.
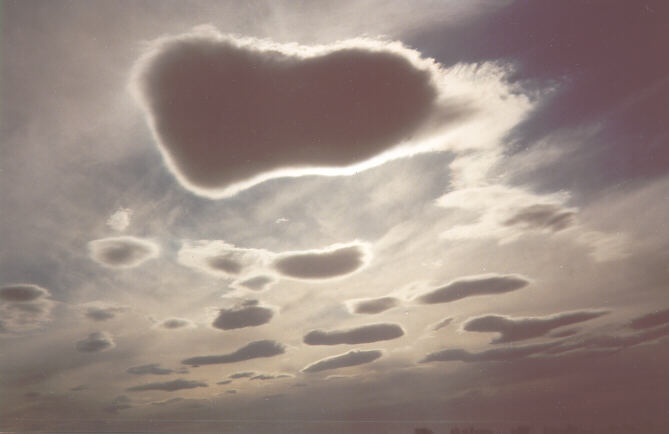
(223,214)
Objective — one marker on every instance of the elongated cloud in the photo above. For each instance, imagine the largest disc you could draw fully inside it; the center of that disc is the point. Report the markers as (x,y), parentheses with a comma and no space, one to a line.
(266,377)
(650,320)
(256,283)
(95,342)
(243,316)
(21,293)
(99,311)
(175,324)
(150,369)
(122,252)
(335,261)
(373,305)
(493,355)
(228,113)
(513,329)
(542,216)
(242,375)
(441,324)
(486,284)
(168,386)
(254,350)
(357,335)
(352,358)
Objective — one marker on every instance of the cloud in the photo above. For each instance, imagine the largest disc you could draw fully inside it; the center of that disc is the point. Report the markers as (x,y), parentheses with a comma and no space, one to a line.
(122,252)
(120,220)
(231,391)
(243,316)
(167,402)
(256,283)
(254,350)
(175,324)
(150,369)
(95,342)
(168,386)
(265,377)
(220,258)
(609,343)
(542,216)
(512,329)
(242,375)
(653,319)
(221,383)
(357,335)
(352,358)
(335,261)
(228,113)
(484,284)
(24,307)
(372,305)
(22,293)
(441,324)
(121,402)
(493,355)
(99,311)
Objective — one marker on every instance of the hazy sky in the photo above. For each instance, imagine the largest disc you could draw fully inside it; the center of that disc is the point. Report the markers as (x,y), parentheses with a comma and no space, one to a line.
(333,216)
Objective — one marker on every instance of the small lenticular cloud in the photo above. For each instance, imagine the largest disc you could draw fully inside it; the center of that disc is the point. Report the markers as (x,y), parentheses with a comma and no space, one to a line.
(352,358)
(122,252)
(246,315)
(486,284)
(356,335)
(175,324)
(372,306)
(335,261)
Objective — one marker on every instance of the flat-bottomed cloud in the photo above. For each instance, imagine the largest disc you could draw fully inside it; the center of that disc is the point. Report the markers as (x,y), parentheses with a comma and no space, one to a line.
(357,335)
(122,252)
(254,350)
(168,386)
(373,305)
(352,358)
(486,284)
(243,316)
(336,261)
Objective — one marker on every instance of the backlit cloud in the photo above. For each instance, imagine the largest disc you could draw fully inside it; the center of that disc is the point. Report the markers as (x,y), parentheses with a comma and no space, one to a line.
(513,329)
(24,307)
(335,261)
(168,386)
(254,350)
(652,319)
(372,305)
(492,355)
(223,109)
(122,252)
(352,358)
(485,284)
(150,369)
(246,315)
(95,342)
(357,335)
(22,293)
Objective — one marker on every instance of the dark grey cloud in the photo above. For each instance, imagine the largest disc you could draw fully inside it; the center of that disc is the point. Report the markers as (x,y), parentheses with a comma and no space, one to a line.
(543,217)
(443,323)
(265,377)
(225,263)
(512,329)
(492,355)
(150,369)
(357,335)
(352,358)
(20,293)
(228,111)
(254,350)
(221,383)
(373,305)
(168,386)
(650,320)
(175,323)
(231,391)
(486,284)
(121,402)
(321,264)
(242,375)
(256,283)
(95,342)
(103,312)
(243,316)
(122,252)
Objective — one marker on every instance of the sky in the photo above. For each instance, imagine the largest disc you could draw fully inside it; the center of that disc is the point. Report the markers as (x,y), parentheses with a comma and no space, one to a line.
(354,216)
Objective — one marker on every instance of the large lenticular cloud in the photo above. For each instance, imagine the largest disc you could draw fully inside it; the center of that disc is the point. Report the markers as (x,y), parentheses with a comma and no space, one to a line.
(228,112)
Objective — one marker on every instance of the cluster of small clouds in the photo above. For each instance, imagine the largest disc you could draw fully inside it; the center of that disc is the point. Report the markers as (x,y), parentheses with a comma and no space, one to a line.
(255,269)
(24,307)
(122,252)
